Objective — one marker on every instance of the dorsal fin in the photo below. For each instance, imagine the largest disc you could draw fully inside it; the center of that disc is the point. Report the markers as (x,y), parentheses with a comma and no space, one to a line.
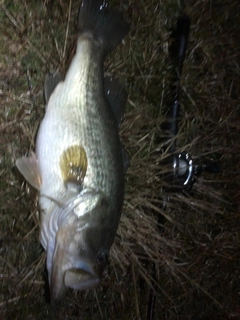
(116,96)
(51,81)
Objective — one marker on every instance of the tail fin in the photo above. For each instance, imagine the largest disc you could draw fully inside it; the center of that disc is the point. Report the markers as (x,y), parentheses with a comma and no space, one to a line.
(107,26)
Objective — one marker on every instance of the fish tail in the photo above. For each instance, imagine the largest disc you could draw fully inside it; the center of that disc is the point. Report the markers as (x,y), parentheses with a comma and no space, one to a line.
(105,25)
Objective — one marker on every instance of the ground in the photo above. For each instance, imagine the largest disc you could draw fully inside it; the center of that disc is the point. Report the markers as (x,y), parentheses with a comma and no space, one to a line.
(192,255)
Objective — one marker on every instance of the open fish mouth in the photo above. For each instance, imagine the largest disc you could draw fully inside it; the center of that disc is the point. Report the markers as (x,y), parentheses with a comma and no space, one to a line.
(64,238)
(80,279)
(83,278)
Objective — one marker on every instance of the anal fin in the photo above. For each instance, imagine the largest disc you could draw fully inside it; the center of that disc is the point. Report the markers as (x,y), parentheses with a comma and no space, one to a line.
(125,158)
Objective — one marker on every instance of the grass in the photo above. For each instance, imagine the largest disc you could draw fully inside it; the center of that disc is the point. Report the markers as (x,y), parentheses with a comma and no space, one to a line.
(196,251)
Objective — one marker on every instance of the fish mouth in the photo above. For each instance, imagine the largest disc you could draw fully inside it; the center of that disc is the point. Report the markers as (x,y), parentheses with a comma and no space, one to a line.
(81,279)
(74,278)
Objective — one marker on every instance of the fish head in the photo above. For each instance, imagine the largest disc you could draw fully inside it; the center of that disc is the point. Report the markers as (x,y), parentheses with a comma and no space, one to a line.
(80,250)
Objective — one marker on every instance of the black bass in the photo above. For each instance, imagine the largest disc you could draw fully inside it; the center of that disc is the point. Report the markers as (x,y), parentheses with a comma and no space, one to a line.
(78,167)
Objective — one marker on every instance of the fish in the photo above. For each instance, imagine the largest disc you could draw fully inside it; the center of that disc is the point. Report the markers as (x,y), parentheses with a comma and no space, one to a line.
(78,165)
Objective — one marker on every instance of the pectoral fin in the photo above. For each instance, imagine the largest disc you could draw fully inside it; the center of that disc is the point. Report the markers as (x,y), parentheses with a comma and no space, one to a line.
(116,96)
(73,164)
(29,168)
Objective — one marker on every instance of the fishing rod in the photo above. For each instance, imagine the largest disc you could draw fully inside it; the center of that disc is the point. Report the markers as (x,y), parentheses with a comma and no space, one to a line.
(182,33)
(184,172)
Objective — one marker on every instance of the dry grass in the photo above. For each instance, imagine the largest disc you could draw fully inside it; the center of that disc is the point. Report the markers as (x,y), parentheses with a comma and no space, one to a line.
(196,251)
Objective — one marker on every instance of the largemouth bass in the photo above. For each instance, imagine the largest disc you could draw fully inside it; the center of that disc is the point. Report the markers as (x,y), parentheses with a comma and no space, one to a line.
(78,165)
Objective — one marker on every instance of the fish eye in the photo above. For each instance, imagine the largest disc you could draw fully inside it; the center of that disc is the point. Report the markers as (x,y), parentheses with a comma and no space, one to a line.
(102,258)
